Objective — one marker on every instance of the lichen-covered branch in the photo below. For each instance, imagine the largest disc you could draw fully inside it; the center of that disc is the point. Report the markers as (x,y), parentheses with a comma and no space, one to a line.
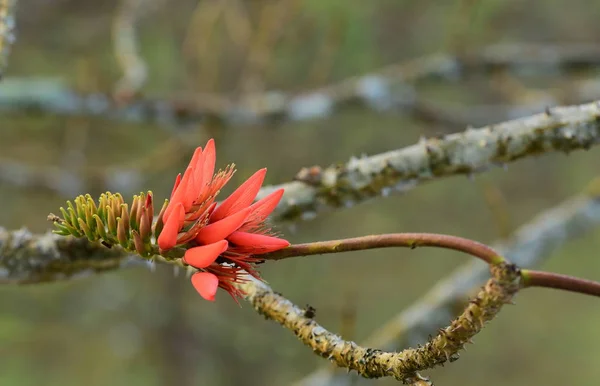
(388,87)
(530,245)
(375,363)
(135,70)
(563,129)
(8,9)
(30,258)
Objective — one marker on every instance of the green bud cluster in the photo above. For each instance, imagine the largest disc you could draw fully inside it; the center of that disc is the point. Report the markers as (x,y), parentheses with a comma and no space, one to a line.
(112,221)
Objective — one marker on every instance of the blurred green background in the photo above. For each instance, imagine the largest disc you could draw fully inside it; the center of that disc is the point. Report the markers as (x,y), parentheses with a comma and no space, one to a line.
(137,327)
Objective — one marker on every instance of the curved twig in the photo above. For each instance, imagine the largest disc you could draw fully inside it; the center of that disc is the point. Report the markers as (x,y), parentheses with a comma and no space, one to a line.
(530,245)
(408,240)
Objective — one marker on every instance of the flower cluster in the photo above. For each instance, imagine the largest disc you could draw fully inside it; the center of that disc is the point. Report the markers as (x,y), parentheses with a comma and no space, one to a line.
(224,240)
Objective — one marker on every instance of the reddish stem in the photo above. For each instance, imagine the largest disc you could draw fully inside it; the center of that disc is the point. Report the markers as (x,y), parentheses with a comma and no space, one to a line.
(408,240)
(564,282)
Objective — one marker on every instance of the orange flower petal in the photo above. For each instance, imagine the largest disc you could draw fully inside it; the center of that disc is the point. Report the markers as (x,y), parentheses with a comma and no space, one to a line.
(206,284)
(222,228)
(198,179)
(209,159)
(177,181)
(257,243)
(168,237)
(265,206)
(261,209)
(196,158)
(179,193)
(241,198)
(203,256)
(192,191)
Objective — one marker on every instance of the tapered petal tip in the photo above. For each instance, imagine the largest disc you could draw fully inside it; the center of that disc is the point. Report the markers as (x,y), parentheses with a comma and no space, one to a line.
(209,159)
(206,284)
(242,197)
(196,157)
(177,182)
(257,243)
(262,208)
(167,239)
(205,255)
(210,145)
(268,204)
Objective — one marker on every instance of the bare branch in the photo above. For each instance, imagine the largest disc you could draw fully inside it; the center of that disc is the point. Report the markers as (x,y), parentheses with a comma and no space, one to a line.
(389,87)
(561,129)
(135,70)
(273,20)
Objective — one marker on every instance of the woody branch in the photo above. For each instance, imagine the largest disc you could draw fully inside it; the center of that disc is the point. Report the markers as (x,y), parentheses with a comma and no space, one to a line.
(562,129)
(375,363)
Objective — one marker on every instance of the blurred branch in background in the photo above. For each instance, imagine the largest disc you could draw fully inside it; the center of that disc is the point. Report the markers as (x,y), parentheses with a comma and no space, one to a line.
(315,190)
(391,87)
(135,70)
(460,37)
(72,181)
(530,245)
(200,60)
(498,207)
(323,64)
(8,9)
(274,17)
(561,129)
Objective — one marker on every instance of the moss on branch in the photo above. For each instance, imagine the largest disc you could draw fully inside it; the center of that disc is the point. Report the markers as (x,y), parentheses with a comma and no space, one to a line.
(375,363)
(561,129)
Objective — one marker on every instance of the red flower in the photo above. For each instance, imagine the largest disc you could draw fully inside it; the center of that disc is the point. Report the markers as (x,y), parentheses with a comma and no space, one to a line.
(222,240)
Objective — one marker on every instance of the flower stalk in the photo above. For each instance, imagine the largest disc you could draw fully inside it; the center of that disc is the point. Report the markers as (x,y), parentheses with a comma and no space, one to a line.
(407,240)
(533,278)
